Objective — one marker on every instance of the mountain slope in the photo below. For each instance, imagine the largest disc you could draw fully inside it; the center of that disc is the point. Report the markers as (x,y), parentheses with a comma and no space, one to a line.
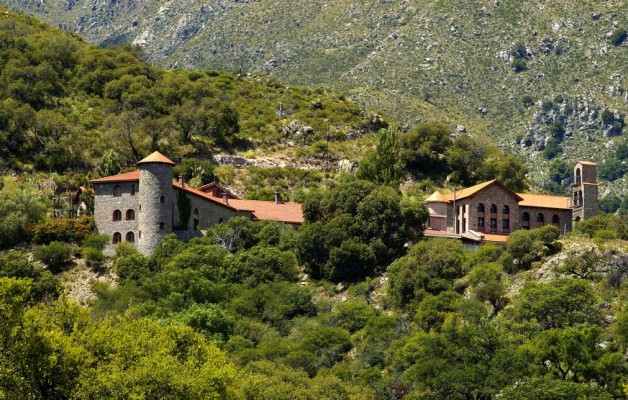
(414,60)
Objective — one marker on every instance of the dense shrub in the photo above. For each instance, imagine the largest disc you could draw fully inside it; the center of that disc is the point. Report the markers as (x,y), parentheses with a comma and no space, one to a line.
(96,241)
(44,284)
(618,37)
(94,258)
(56,255)
(611,222)
(430,267)
(19,207)
(64,230)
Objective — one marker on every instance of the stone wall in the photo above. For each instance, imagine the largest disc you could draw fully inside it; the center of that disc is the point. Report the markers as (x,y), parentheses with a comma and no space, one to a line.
(468,215)
(438,223)
(156,199)
(564,217)
(209,213)
(105,204)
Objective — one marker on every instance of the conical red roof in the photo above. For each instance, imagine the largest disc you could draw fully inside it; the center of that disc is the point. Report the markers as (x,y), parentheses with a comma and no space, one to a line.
(156,157)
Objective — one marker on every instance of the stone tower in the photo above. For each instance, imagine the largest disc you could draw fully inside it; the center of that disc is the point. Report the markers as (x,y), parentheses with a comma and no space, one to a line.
(156,201)
(584,190)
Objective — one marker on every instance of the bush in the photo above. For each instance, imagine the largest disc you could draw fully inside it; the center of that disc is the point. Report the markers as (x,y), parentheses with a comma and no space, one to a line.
(527,101)
(610,204)
(64,230)
(612,170)
(96,241)
(605,234)
(44,284)
(519,65)
(18,208)
(618,37)
(132,267)
(94,258)
(552,149)
(57,256)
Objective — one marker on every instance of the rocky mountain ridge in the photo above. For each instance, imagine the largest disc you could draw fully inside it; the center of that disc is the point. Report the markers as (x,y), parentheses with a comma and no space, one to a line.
(490,66)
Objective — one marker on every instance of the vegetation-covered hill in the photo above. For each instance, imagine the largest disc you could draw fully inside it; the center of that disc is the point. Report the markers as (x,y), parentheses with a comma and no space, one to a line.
(506,69)
(66,105)
(355,304)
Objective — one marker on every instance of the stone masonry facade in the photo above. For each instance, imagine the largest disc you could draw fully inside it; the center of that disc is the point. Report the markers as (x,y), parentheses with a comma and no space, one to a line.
(492,208)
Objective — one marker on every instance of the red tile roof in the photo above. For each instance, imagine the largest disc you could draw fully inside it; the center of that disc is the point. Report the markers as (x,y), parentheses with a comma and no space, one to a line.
(291,213)
(470,191)
(205,196)
(207,189)
(156,157)
(495,238)
(437,233)
(126,177)
(545,201)
(584,162)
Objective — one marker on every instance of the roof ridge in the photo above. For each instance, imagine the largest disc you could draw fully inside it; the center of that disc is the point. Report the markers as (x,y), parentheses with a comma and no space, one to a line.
(156,157)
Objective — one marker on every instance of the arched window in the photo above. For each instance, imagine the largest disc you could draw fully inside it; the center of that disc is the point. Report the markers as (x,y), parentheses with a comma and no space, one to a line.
(525,217)
(117,238)
(578,176)
(197,218)
(540,218)
(161,226)
(162,199)
(130,215)
(117,191)
(505,210)
(481,207)
(555,219)
(493,208)
(117,215)
(133,190)
(130,237)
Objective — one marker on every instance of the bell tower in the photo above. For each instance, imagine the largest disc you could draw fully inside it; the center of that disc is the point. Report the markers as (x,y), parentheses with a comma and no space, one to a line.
(584,191)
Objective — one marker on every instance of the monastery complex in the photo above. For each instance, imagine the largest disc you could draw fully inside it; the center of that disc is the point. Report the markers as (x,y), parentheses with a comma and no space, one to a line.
(144,205)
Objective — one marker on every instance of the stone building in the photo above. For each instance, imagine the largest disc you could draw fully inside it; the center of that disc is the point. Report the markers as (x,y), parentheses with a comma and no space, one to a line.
(490,211)
(142,206)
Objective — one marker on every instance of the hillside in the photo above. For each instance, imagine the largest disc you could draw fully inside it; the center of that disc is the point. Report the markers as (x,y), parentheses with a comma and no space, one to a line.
(69,106)
(447,60)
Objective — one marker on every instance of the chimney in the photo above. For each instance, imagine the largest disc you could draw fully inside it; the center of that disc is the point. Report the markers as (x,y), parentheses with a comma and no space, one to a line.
(224,198)
(278,197)
(181,180)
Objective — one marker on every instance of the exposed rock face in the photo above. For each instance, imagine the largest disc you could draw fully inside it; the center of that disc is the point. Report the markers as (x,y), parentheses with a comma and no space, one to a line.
(296,129)
(610,264)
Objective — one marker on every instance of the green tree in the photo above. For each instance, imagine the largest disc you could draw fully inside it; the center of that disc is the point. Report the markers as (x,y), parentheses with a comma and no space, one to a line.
(546,388)
(262,264)
(558,304)
(466,159)
(430,267)
(423,149)
(56,255)
(19,206)
(487,286)
(383,164)
(468,359)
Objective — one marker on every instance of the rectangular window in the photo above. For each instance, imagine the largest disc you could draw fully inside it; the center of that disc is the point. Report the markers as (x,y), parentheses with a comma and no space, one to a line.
(480,222)
(493,222)
(506,224)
